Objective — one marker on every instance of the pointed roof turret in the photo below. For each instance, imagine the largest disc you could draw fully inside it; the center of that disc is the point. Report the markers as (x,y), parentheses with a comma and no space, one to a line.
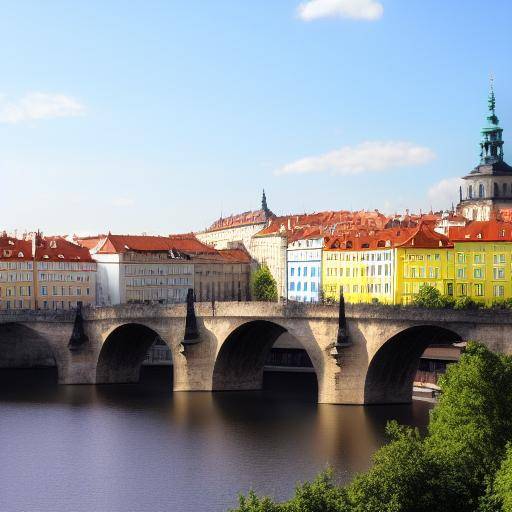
(492,142)
(264,205)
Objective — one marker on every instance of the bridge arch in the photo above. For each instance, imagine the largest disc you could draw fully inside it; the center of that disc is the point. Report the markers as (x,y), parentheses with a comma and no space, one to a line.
(24,347)
(240,362)
(391,371)
(123,352)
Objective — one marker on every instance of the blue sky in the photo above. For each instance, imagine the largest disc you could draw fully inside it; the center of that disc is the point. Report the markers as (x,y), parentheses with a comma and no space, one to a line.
(158,116)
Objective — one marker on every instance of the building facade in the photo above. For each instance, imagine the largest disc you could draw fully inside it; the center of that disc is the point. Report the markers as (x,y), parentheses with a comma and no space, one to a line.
(45,273)
(304,264)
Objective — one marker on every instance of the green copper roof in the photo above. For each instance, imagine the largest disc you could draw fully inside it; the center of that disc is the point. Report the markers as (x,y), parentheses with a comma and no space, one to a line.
(491,144)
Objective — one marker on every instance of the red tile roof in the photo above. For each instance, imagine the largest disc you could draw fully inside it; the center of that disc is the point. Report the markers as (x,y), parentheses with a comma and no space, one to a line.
(188,243)
(235,255)
(488,231)
(90,242)
(15,249)
(421,236)
(240,219)
(56,248)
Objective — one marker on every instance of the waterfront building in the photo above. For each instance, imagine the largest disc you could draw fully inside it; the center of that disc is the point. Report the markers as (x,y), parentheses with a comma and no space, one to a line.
(425,258)
(483,260)
(304,264)
(45,273)
(16,273)
(488,187)
(157,269)
(65,273)
(387,266)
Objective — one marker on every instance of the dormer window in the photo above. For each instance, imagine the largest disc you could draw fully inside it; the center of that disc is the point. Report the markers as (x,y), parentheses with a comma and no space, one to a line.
(46,257)
(11,242)
(20,255)
(479,235)
(61,256)
(53,244)
(7,253)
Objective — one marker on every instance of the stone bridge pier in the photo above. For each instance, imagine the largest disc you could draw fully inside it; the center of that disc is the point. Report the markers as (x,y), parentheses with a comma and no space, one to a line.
(370,357)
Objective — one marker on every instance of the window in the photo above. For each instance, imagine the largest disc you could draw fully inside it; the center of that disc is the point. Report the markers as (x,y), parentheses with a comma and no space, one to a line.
(449,288)
(504,188)
(481,190)
(479,290)
(499,258)
(463,289)
(499,290)
(298,271)
(313,287)
(499,273)
(44,290)
(496,189)
(298,287)
(313,271)
(292,287)
(461,273)
(477,273)
(461,257)
(470,191)
(477,258)
(292,271)
(305,272)
(305,287)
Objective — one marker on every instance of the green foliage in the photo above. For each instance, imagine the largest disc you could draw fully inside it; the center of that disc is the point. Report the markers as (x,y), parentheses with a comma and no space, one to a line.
(263,285)
(502,303)
(402,479)
(462,465)
(471,424)
(499,494)
(321,495)
(466,303)
(251,503)
(447,301)
(428,297)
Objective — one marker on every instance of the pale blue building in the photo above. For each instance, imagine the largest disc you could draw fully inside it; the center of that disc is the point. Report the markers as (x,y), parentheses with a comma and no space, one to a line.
(304,268)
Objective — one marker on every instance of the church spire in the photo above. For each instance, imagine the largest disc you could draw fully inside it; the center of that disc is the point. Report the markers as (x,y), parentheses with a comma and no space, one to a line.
(492,142)
(264,206)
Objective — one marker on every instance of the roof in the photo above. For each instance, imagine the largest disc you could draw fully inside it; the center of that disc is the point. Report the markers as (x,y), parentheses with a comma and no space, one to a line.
(57,248)
(241,219)
(235,255)
(487,231)
(15,249)
(90,242)
(421,236)
(327,222)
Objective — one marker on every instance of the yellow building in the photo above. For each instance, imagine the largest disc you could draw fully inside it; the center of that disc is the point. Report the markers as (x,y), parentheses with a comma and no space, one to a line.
(483,261)
(388,265)
(425,258)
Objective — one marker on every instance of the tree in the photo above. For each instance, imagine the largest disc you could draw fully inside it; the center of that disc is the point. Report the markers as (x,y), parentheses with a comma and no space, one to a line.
(428,297)
(263,285)
(471,424)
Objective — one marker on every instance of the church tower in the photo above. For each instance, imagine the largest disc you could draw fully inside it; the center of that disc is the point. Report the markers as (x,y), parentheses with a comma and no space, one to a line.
(488,187)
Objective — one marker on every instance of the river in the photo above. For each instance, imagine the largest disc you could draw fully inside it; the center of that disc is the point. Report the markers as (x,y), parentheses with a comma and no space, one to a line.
(141,448)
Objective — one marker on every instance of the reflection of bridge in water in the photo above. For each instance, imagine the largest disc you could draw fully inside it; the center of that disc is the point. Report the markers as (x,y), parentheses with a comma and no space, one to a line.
(226,348)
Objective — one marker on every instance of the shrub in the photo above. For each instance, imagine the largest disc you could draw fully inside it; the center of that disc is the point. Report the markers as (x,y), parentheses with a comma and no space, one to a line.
(466,303)
(447,301)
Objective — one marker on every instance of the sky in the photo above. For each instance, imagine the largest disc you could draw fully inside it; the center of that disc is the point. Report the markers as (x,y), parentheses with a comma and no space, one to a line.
(159,117)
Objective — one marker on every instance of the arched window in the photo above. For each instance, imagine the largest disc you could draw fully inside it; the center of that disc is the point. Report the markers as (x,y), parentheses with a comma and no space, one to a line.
(481,190)
(504,188)
(496,189)
(470,191)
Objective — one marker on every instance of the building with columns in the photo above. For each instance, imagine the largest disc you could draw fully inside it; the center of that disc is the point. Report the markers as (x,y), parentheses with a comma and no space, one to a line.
(488,187)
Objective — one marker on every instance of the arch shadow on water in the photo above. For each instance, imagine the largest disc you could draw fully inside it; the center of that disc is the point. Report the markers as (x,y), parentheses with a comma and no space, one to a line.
(123,353)
(26,357)
(391,372)
(240,363)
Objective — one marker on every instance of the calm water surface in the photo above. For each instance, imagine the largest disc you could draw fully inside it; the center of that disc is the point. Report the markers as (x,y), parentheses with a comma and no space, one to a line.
(139,448)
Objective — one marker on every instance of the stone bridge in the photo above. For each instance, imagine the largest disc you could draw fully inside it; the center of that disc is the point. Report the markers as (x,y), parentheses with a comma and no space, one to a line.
(225,347)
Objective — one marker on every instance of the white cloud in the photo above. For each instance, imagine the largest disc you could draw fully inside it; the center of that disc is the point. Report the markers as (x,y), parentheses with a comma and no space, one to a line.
(370,156)
(39,105)
(445,192)
(368,10)
(123,202)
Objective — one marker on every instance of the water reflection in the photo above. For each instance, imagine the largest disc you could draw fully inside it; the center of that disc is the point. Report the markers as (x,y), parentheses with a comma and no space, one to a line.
(143,448)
